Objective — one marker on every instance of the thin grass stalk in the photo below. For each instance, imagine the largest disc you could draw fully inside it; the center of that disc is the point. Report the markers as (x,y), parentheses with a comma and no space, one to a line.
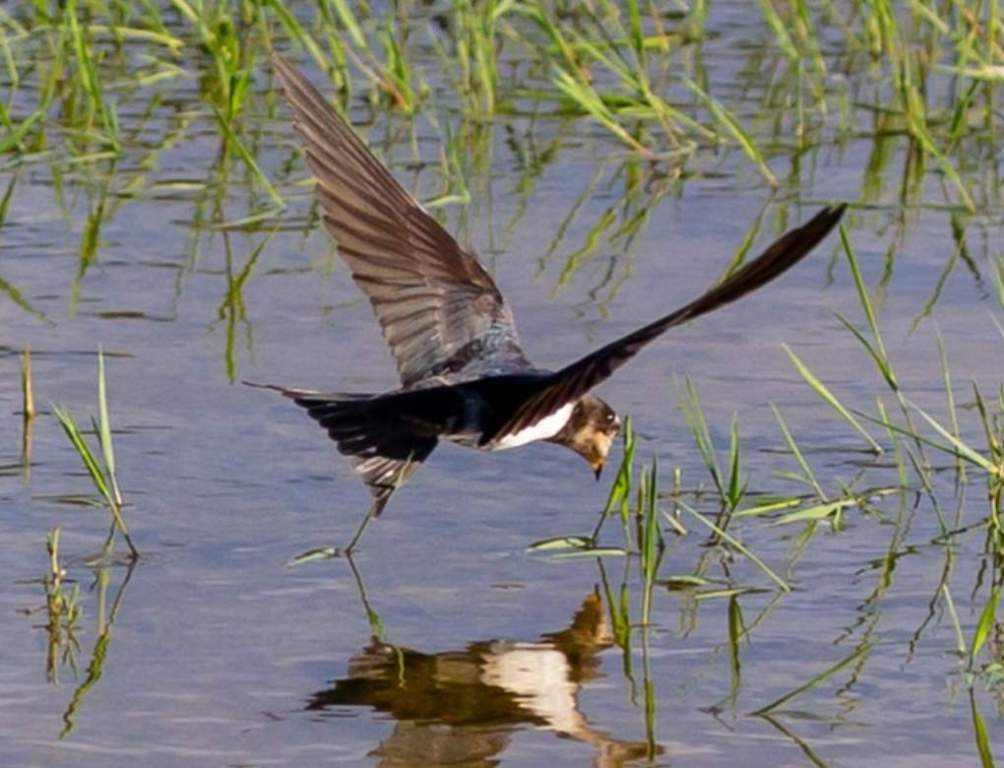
(733,127)
(252,165)
(816,681)
(693,413)
(89,80)
(736,488)
(985,624)
(876,347)
(878,351)
(953,415)
(803,464)
(827,395)
(104,430)
(781,583)
(27,385)
(651,543)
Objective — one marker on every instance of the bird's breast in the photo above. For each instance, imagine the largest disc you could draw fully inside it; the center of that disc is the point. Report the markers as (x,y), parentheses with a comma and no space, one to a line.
(544,429)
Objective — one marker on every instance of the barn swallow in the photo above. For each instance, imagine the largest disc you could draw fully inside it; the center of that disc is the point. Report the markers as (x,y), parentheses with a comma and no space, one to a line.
(464,375)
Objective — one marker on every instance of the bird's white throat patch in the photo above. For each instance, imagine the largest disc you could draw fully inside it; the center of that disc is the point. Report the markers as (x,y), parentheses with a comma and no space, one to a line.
(546,428)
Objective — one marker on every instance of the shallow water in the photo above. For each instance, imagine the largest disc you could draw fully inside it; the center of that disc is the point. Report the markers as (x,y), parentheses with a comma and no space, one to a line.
(444,642)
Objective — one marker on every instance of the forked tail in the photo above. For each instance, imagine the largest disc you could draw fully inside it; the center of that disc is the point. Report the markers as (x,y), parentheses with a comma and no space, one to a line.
(383,448)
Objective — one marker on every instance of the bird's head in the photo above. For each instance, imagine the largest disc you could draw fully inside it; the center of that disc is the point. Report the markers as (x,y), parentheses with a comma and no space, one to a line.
(590,431)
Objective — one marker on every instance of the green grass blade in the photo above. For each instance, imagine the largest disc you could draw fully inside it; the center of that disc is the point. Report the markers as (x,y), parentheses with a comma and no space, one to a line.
(248,159)
(823,391)
(946,376)
(693,413)
(985,624)
(880,354)
(561,543)
(797,453)
(620,490)
(313,555)
(13,138)
(960,641)
(592,552)
(586,97)
(732,126)
(880,362)
(105,429)
(980,734)
(781,583)
(651,547)
(16,296)
(961,449)
(815,682)
(735,474)
(816,512)
(69,426)
(767,507)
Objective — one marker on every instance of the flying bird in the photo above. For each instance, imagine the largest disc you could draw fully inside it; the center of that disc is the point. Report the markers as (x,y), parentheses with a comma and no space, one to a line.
(464,375)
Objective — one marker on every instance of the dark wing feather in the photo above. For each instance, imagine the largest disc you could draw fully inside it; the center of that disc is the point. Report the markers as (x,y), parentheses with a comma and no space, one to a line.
(575,380)
(431,297)
(384,449)
(384,459)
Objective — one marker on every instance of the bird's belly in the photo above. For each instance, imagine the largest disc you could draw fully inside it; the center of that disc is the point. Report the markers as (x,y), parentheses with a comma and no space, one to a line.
(544,429)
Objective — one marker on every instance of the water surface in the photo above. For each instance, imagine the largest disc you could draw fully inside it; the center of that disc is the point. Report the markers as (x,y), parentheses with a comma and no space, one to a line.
(444,642)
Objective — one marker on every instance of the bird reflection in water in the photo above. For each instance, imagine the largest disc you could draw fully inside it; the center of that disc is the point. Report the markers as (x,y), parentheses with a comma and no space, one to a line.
(463,707)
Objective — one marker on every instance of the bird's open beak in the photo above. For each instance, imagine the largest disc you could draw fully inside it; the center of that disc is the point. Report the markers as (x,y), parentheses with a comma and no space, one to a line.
(597,469)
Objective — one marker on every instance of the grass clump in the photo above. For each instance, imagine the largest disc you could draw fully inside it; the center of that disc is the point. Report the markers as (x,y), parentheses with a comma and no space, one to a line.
(102,473)
(62,612)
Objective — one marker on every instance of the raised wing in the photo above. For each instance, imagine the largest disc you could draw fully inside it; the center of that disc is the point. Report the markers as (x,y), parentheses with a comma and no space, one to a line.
(575,380)
(433,299)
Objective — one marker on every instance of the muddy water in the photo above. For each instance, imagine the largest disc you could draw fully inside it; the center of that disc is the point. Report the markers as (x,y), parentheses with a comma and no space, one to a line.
(444,642)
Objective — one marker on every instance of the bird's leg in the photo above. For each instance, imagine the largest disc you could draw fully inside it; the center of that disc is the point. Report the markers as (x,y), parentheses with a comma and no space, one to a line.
(374,511)
(381,496)
(326,553)
(359,531)
(376,626)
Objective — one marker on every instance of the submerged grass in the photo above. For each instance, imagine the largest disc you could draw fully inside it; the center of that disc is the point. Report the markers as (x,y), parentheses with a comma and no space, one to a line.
(87,86)
(636,72)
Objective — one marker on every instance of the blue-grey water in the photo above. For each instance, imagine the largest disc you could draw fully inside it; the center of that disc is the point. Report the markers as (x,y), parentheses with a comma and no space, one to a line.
(211,652)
